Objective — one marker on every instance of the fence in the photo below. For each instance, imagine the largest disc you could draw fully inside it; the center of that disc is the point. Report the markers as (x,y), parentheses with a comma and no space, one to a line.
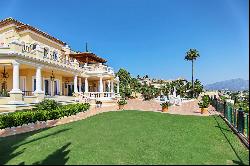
(237,118)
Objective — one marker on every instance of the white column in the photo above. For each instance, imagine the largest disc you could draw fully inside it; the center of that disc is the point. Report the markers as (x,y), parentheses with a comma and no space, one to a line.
(75,84)
(15,78)
(100,85)
(104,86)
(38,80)
(80,84)
(118,84)
(86,83)
(109,86)
(112,87)
(16,96)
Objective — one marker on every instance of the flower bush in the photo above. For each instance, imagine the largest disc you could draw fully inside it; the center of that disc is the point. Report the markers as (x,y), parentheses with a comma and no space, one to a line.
(205,102)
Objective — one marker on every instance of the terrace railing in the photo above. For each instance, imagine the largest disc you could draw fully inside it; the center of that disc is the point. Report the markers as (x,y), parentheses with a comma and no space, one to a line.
(238,119)
(27,93)
(100,94)
(17,48)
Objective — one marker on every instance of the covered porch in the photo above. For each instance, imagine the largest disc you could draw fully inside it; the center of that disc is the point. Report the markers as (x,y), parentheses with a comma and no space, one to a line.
(24,83)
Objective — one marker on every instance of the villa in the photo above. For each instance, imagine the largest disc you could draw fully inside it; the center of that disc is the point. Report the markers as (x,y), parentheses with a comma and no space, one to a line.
(35,65)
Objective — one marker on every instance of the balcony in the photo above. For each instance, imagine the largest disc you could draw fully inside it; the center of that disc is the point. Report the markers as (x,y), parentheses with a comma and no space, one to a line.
(18,49)
(97,69)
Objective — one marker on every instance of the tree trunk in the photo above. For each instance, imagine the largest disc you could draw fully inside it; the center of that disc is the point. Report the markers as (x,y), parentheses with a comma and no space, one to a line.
(192,78)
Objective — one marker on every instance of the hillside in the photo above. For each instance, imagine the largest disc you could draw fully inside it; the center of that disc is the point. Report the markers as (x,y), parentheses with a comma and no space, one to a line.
(233,84)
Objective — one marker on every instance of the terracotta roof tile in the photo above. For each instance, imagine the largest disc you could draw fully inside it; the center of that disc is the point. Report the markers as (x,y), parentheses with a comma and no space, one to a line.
(21,27)
(88,54)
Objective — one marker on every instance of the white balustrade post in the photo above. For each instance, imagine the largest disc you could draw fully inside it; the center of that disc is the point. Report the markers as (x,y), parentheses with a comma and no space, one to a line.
(75,84)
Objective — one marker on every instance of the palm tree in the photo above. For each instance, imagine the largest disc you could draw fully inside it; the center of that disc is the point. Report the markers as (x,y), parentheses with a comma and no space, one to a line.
(191,55)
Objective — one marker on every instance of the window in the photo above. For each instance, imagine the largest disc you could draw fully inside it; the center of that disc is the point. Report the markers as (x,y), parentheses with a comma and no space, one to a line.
(33,46)
(55,55)
(34,84)
(46,51)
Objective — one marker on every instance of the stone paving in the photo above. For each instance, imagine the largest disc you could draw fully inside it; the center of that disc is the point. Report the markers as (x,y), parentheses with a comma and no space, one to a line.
(188,108)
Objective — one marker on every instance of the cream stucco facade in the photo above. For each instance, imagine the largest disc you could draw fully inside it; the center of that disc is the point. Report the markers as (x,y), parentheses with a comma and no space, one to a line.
(35,65)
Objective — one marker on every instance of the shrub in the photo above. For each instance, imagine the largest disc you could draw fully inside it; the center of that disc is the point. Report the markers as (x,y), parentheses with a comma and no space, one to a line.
(47,104)
(122,102)
(205,101)
(165,104)
(31,116)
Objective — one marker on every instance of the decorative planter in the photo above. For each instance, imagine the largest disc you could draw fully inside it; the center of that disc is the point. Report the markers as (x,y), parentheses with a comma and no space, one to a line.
(164,109)
(121,107)
(204,110)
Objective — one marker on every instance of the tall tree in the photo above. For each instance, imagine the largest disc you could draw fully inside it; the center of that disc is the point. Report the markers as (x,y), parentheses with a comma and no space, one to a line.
(192,55)
(198,88)
(125,78)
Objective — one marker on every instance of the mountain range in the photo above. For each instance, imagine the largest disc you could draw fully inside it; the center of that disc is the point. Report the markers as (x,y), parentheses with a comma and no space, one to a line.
(232,84)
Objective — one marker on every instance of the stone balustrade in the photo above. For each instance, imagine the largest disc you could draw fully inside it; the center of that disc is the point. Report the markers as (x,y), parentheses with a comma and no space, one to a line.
(19,49)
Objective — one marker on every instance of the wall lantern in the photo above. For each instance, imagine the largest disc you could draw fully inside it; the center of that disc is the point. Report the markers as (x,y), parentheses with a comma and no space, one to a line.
(52,77)
(5,75)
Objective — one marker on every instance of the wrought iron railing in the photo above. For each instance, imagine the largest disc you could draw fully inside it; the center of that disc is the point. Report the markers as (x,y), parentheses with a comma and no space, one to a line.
(27,93)
(237,118)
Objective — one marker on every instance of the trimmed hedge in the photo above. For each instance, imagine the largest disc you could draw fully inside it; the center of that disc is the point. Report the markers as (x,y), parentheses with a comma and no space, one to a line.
(31,116)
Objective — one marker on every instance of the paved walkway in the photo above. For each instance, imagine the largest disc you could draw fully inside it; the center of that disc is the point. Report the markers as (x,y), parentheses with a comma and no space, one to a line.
(186,108)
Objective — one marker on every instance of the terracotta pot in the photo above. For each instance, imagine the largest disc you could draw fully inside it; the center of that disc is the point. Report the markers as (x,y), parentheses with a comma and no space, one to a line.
(164,109)
(204,111)
(121,107)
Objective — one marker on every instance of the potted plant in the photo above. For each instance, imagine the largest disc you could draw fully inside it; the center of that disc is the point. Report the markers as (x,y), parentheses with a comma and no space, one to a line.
(204,104)
(121,104)
(165,106)
(98,104)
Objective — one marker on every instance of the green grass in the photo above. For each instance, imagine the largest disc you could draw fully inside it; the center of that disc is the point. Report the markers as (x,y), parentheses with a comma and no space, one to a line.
(128,137)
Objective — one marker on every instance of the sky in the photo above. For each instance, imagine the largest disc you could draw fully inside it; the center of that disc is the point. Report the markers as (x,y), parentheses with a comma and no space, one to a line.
(148,36)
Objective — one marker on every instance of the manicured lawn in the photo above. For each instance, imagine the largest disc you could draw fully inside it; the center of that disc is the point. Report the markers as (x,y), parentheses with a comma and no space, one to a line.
(128,137)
